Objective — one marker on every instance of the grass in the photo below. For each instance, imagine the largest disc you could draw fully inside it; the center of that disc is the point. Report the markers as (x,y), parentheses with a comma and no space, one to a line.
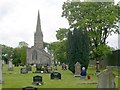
(13,79)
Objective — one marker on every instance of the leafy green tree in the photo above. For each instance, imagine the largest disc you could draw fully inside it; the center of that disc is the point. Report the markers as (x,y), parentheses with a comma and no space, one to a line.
(23,54)
(7,53)
(58,49)
(62,34)
(16,56)
(19,55)
(97,18)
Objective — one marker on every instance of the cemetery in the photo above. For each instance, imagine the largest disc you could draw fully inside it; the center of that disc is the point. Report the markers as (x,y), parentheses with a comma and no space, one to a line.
(14,79)
(80,58)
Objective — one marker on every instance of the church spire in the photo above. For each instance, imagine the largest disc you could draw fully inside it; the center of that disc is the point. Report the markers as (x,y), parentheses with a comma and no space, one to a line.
(38,27)
(38,36)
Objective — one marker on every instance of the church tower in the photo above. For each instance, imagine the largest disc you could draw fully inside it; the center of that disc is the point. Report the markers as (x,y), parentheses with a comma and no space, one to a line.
(36,54)
(38,36)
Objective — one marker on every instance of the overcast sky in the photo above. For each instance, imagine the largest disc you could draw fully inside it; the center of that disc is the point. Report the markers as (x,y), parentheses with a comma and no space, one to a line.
(18,20)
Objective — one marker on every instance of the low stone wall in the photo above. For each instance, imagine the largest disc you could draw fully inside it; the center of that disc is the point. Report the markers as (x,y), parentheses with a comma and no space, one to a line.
(115,67)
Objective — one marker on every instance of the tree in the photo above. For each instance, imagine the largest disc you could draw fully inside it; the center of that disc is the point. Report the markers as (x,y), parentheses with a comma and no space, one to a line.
(7,53)
(58,49)
(19,55)
(97,18)
(61,34)
(77,49)
(23,54)
(16,56)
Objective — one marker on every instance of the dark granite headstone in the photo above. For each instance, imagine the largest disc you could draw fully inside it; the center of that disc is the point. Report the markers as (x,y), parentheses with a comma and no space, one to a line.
(37,80)
(38,68)
(55,75)
(29,68)
(24,71)
(29,88)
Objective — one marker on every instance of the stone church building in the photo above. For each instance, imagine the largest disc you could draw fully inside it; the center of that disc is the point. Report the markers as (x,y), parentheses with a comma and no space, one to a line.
(36,54)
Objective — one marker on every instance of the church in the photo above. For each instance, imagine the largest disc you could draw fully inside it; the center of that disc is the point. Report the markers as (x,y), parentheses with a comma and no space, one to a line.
(36,54)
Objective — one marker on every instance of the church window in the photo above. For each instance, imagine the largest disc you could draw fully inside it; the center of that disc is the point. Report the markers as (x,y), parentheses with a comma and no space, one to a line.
(34,55)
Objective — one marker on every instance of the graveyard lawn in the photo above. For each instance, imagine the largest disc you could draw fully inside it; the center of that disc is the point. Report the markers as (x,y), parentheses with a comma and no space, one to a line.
(13,79)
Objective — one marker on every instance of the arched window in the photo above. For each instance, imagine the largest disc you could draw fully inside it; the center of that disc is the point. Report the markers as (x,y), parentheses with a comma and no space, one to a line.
(34,55)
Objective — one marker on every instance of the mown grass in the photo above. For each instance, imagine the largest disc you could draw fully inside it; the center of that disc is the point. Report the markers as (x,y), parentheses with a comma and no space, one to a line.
(13,79)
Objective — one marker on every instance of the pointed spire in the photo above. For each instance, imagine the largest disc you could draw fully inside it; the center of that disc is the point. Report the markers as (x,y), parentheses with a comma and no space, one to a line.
(38,35)
(38,27)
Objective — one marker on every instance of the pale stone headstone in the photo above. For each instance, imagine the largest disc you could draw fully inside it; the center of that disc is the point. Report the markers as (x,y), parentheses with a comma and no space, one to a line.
(0,71)
(10,67)
(77,69)
(106,79)
(24,71)
(3,62)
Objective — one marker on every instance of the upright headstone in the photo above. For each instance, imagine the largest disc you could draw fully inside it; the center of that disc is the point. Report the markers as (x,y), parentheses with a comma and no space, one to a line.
(24,71)
(97,66)
(38,68)
(0,71)
(29,88)
(3,62)
(29,68)
(37,80)
(10,67)
(106,79)
(77,69)
(55,75)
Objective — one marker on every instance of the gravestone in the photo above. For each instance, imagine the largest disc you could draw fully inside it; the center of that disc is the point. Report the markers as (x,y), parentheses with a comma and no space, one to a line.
(63,66)
(29,68)
(49,69)
(77,69)
(97,66)
(37,80)
(55,67)
(106,79)
(55,75)
(38,68)
(29,88)
(24,71)
(3,62)
(0,71)
(10,67)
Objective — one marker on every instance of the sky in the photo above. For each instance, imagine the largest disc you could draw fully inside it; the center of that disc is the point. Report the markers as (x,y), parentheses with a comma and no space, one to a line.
(18,20)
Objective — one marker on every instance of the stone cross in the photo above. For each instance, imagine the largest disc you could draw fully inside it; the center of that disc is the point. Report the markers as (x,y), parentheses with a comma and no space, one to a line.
(106,79)
(77,69)
(0,71)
